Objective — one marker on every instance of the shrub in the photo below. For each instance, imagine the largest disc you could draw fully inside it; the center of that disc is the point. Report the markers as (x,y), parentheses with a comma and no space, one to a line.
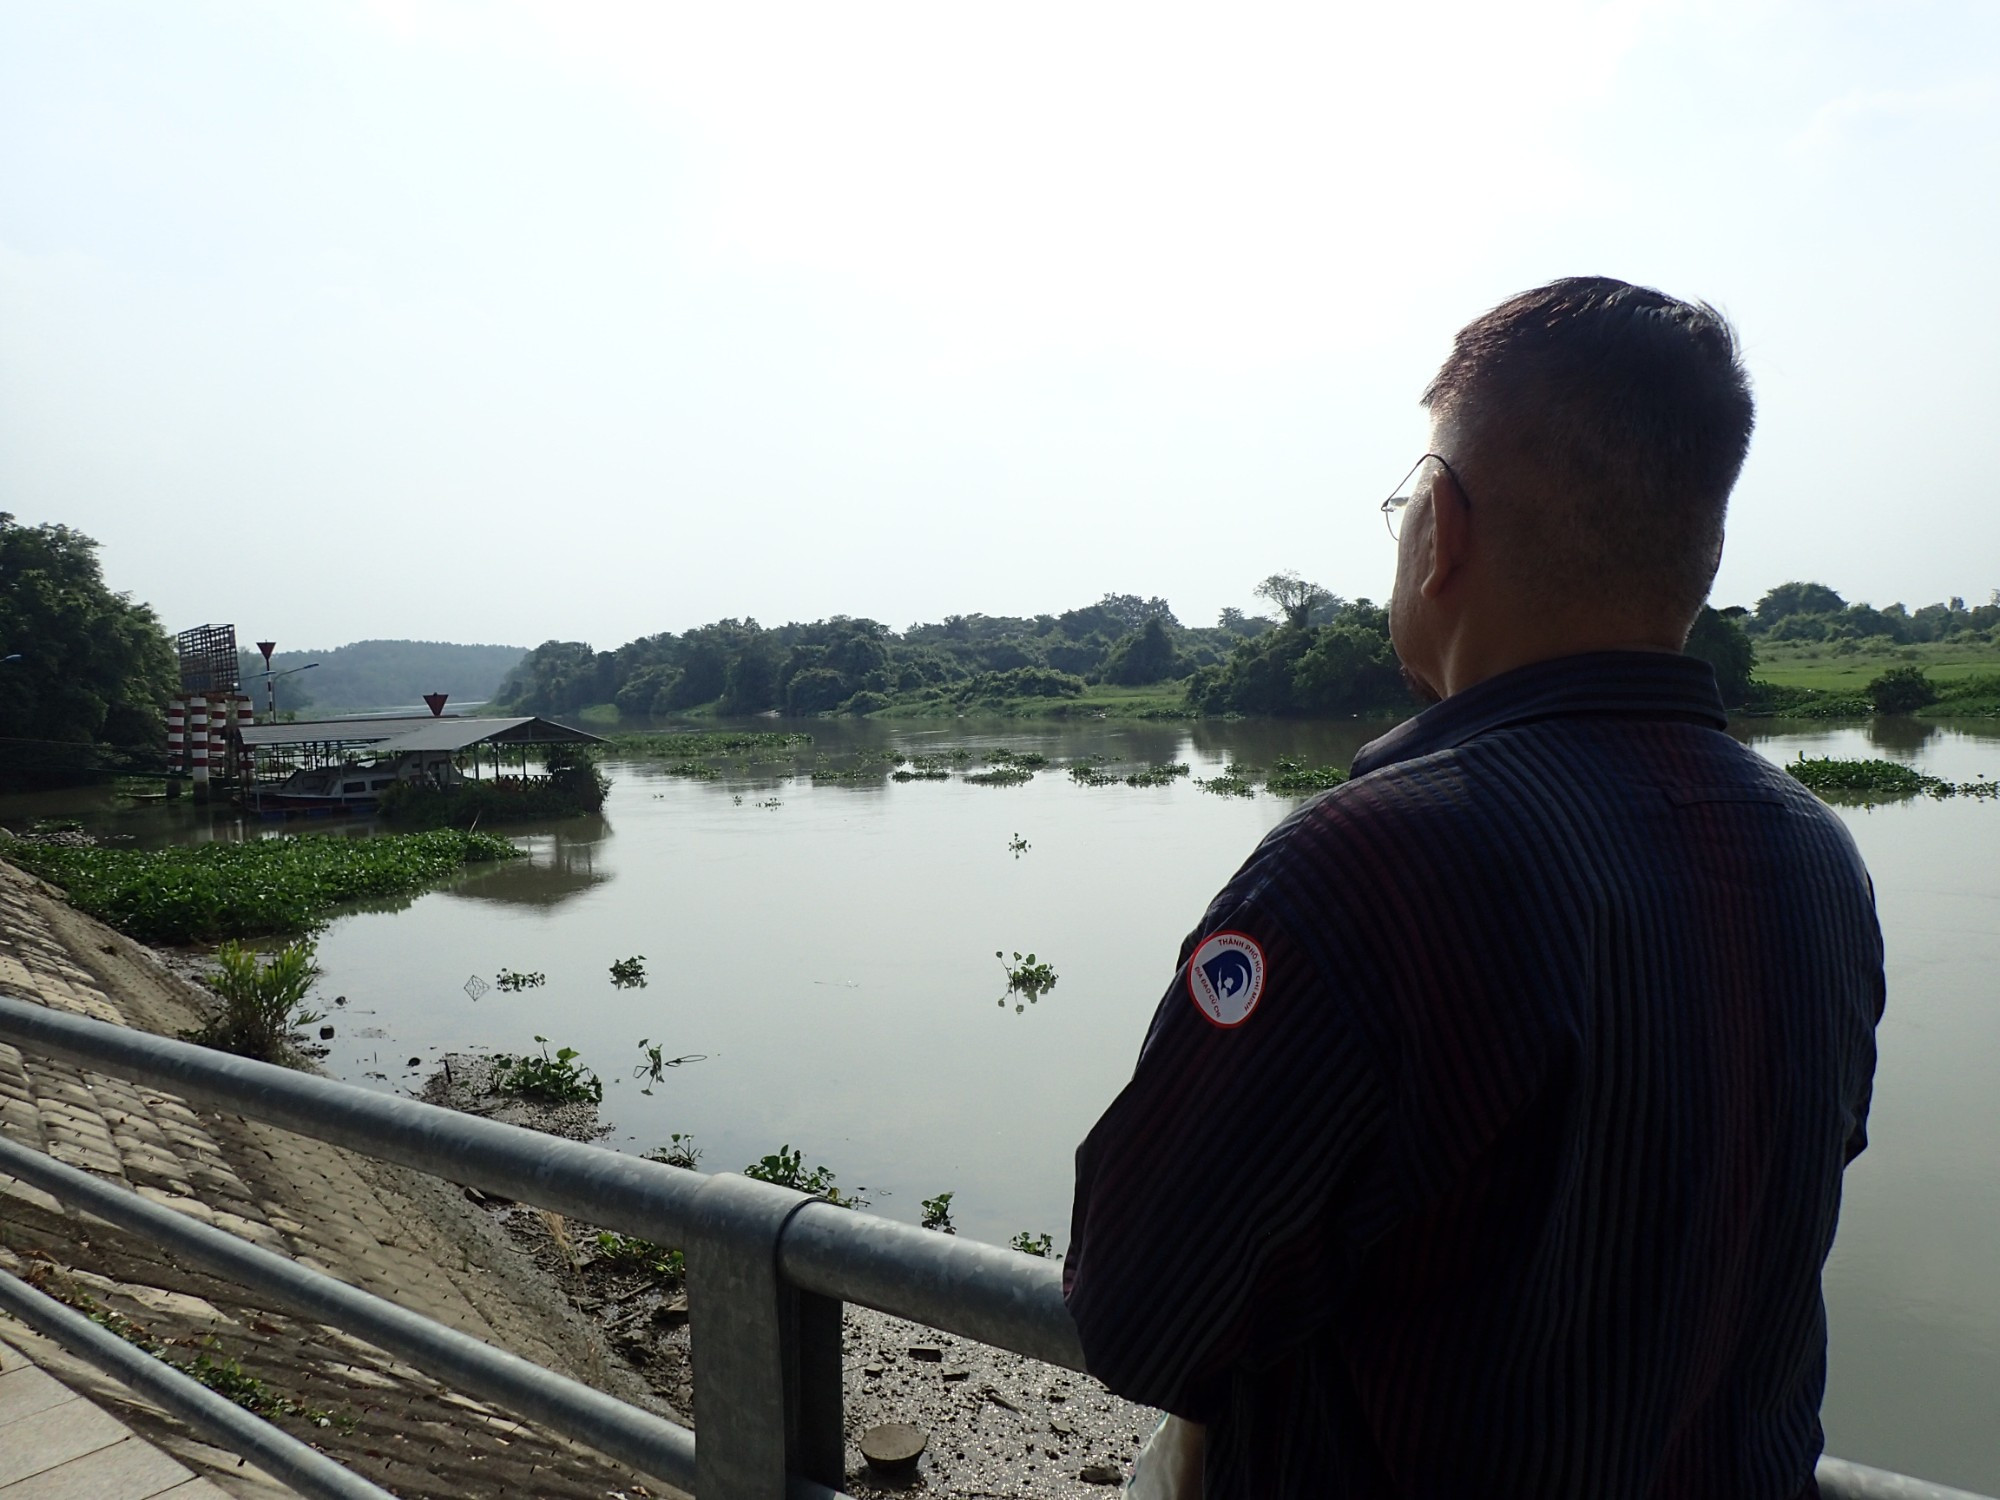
(263,1004)
(1902,690)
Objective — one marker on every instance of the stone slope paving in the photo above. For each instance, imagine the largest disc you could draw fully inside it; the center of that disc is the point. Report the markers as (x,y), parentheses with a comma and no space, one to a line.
(394,1233)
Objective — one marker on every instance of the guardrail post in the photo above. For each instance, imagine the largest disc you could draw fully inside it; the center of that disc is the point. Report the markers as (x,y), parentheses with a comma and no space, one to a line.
(766,1356)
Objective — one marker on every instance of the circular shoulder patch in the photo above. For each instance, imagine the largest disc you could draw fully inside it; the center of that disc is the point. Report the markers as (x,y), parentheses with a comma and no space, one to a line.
(1226,977)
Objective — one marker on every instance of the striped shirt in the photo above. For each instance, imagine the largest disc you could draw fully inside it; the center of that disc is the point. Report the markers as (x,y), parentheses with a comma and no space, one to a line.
(1518,1175)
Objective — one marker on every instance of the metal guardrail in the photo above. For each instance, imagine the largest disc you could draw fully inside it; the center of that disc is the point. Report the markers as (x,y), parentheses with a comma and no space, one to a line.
(768,1270)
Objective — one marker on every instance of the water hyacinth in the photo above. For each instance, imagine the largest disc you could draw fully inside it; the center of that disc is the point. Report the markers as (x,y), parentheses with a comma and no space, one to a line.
(276,886)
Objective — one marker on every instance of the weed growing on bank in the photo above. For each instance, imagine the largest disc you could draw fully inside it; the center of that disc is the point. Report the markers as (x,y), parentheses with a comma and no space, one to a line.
(552,1080)
(263,1011)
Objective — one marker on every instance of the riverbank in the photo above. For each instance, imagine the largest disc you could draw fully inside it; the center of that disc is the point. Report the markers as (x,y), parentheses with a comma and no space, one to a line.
(523,1280)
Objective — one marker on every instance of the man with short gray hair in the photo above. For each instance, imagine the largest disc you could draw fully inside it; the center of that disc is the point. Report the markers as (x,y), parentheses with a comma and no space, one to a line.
(1489,1137)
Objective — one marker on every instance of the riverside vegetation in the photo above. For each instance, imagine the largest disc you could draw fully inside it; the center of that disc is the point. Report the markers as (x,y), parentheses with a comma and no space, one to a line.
(278,886)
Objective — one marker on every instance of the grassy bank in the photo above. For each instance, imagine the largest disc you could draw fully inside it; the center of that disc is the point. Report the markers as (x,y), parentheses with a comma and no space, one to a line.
(1846,668)
(276,886)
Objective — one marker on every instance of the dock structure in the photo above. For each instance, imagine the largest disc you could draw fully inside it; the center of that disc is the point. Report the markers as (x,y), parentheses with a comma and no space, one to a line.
(324,763)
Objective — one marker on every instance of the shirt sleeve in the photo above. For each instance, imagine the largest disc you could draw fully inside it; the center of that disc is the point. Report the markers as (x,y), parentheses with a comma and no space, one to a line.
(1209,1231)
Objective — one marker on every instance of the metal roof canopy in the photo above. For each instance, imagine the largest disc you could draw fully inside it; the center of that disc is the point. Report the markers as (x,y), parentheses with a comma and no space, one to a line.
(436,734)
(461,734)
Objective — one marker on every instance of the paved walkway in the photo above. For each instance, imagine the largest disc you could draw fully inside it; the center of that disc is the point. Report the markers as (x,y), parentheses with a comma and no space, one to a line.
(56,1445)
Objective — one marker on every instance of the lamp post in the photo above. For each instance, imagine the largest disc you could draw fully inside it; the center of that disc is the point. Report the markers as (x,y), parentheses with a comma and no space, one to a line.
(271,683)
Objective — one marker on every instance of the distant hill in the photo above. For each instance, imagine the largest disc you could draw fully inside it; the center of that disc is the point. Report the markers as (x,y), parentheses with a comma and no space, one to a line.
(382,674)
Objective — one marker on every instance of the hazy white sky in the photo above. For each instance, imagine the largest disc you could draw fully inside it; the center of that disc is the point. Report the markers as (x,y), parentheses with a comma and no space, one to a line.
(511,321)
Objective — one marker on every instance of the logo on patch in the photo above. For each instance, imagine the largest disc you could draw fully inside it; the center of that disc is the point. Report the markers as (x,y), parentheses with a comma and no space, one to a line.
(1226,977)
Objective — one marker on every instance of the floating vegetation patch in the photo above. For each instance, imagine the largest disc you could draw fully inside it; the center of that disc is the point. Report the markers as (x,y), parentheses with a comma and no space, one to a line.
(1027,975)
(1163,774)
(514,981)
(285,885)
(629,973)
(694,769)
(1041,1245)
(1028,760)
(552,1080)
(1018,846)
(1294,778)
(1880,780)
(1001,775)
(937,1214)
(1235,781)
(1090,772)
(678,746)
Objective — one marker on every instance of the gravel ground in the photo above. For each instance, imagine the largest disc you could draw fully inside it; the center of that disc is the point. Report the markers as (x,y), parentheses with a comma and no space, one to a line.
(994,1423)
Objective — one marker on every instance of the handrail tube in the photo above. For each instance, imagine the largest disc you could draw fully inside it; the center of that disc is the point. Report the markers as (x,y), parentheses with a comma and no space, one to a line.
(587,1183)
(980,1292)
(306,1470)
(649,1443)
(1840,1480)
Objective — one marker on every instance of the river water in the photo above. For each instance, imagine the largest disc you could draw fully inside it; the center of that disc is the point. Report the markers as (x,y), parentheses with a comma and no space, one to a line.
(827,951)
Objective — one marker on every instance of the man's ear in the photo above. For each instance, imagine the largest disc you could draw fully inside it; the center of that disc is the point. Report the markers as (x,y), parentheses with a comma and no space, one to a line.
(1450,540)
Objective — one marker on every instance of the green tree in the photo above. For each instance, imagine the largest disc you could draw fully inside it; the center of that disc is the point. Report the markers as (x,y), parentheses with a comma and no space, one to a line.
(1789,599)
(1296,598)
(1901,690)
(1723,644)
(1147,655)
(92,668)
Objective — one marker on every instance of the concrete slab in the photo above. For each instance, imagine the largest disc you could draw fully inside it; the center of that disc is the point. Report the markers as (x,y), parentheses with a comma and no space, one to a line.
(130,1469)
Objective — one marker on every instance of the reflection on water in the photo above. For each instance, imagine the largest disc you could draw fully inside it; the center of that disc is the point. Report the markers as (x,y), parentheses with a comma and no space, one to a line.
(559,864)
(828,947)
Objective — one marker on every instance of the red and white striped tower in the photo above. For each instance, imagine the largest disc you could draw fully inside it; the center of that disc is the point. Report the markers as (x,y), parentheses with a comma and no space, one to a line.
(246,718)
(176,736)
(218,736)
(198,746)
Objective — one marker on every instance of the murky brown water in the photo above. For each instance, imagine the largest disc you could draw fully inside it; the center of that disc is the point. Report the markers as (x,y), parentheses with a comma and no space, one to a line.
(828,951)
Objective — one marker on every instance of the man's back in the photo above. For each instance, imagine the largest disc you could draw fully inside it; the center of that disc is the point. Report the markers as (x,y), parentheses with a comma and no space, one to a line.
(1517,1176)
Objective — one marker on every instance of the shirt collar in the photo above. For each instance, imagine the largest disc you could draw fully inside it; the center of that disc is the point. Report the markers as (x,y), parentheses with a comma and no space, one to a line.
(1634,684)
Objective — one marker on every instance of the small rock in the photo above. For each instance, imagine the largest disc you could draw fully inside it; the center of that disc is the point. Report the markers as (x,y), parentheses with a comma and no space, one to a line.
(892,1448)
(340,999)
(927,1354)
(1101,1474)
(1062,1429)
(956,1372)
(326,1033)
(415,1062)
(871,1369)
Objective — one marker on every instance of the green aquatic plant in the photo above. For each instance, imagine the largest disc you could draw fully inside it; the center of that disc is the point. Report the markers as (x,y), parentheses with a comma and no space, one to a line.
(1041,1245)
(284,885)
(730,742)
(1163,774)
(653,1069)
(679,1151)
(514,981)
(263,1003)
(1028,760)
(632,1253)
(787,1168)
(1235,781)
(1005,774)
(1881,780)
(1291,777)
(553,1080)
(1089,772)
(629,973)
(1018,846)
(1027,975)
(937,1214)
